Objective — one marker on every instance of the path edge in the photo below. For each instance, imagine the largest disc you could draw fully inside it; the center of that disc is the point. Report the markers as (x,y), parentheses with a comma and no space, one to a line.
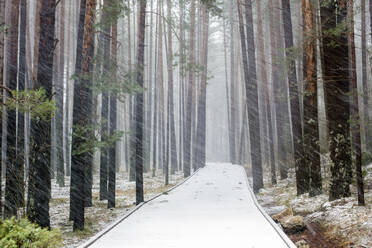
(99,235)
(278,230)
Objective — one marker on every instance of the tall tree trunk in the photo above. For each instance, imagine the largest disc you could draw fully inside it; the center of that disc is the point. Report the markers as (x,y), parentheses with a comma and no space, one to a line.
(161,139)
(105,39)
(261,56)
(309,173)
(355,126)
(252,100)
(40,174)
(337,84)
(12,184)
(79,52)
(202,104)
(187,155)
(67,135)
(156,104)
(150,91)
(368,136)
(182,84)
(232,126)
(139,103)
(2,92)
(22,71)
(113,117)
(59,99)
(301,172)
(82,117)
(171,120)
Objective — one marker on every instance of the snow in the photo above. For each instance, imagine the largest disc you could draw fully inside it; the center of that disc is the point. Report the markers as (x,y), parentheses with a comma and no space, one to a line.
(215,208)
(342,220)
(99,217)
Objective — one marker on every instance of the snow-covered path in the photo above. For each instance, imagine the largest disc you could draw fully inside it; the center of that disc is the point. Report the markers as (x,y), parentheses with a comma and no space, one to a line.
(215,208)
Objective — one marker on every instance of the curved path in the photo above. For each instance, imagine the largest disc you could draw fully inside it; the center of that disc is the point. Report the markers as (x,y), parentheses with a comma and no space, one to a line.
(215,208)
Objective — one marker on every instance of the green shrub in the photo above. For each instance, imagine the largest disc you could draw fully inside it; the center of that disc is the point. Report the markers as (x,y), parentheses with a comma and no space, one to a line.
(24,234)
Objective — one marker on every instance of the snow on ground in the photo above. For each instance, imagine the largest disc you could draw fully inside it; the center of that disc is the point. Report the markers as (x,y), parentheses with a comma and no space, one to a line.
(342,220)
(98,216)
(212,209)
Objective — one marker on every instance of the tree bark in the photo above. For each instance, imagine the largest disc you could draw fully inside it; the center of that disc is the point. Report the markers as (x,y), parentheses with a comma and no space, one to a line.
(187,155)
(261,56)
(301,172)
(355,126)
(252,99)
(113,117)
(105,122)
(139,103)
(79,52)
(12,183)
(336,84)
(40,170)
(59,99)
(368,136)
(82,117)
(309,174)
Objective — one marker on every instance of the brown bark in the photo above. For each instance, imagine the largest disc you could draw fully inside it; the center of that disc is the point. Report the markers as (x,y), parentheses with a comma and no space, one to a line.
(311,174)
(82,116)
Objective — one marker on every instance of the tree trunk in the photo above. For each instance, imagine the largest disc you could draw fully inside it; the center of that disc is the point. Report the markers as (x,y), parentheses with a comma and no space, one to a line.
(309,173)
(262,62)
(113,118)
(187,155)
(139,103)
(171,120)
(252,100)
(12,184)
(336,88)
(40,174)
(67,135)
(59,99)
(355,126)
(105,158)
(232,126)
(301,171)
(202,104)
(79,52)
(368,136)
(2,83)
(82,118)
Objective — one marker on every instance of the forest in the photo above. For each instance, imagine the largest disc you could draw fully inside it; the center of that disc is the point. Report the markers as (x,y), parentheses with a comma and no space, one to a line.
(109,107)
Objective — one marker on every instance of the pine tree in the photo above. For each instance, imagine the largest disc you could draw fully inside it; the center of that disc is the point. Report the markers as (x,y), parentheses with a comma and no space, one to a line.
(311,175)
(336,88)
(113,116)
(12,186)
(139,103)
(262,62)
(355,123)
(79,52)
(40,168)
(82,118)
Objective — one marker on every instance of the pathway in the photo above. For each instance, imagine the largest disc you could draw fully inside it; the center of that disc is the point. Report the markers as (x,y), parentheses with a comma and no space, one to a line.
(215,208)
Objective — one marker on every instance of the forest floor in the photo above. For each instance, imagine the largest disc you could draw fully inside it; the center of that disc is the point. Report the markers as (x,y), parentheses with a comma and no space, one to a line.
(98,216)
(340,223)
